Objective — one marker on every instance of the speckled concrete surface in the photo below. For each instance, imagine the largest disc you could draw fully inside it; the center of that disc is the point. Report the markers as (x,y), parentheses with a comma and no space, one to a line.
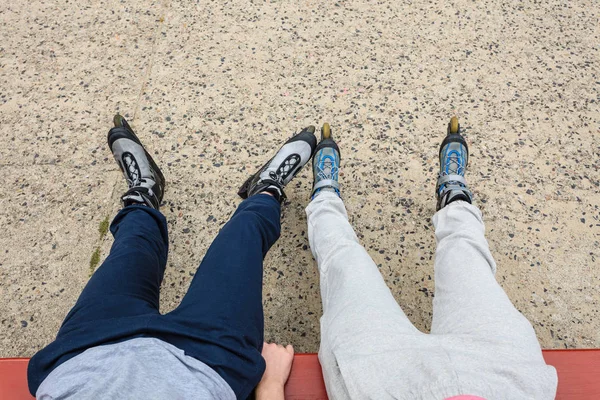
(214,87)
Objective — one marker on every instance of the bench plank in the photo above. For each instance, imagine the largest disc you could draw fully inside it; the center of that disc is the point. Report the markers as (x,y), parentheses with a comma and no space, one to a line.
(578,376)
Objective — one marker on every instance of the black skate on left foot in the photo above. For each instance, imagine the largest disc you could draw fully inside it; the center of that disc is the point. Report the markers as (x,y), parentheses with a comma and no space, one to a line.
(146,181)
(279,171)
(454,157)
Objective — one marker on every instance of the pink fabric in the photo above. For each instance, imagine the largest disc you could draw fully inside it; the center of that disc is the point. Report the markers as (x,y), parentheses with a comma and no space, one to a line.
(465,397)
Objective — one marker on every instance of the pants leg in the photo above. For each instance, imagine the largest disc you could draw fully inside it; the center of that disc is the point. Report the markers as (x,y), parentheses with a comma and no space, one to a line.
(128,281)
(468,299)
(480,327)
(223,305)
(125,287)
(360,315)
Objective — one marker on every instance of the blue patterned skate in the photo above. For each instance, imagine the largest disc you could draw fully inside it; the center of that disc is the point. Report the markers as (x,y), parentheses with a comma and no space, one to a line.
(454,157)
(326,164)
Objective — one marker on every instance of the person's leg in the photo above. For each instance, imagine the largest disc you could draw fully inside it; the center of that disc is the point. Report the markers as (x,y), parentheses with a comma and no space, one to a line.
(468,299)
(486,336)
(124,292)
(220,319)
(351,284)
(488,339)
(223,306)
(360,314)
(128,281)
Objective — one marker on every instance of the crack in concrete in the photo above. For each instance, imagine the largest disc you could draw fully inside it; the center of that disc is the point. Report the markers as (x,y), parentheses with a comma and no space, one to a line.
(138,101)
(158,27)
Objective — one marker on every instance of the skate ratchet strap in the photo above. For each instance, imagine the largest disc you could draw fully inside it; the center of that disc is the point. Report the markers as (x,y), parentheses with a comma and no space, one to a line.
(142,195)
(330,183)
(451,195)
(451,182)
(271,186)
(451,178)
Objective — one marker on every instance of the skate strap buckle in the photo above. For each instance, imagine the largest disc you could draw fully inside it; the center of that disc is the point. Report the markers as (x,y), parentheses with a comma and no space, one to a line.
(451,178)
(331,183)
(326,183)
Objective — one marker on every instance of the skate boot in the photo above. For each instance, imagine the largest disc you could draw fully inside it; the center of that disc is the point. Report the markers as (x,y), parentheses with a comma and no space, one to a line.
(326,164)
(454,157)
(146,181)
(281,169)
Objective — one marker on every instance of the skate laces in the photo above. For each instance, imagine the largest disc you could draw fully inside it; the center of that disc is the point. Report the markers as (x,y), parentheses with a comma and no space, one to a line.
(131,169)
(272,176)
(327,168)
(453,165)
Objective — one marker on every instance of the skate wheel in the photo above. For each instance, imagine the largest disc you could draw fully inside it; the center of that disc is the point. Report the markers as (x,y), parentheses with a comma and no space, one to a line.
(326,131)
(118,121)
(453,127)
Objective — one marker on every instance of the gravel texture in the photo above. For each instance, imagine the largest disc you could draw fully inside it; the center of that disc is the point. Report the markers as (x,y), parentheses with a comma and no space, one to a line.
(213,88)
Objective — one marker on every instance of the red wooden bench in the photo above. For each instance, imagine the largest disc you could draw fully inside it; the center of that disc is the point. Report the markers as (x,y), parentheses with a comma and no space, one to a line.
(578,376)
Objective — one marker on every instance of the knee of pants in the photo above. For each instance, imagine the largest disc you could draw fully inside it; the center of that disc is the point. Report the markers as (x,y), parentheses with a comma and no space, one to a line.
(266,226)
(513,326)
(521,333)
(263,205)
(346,258)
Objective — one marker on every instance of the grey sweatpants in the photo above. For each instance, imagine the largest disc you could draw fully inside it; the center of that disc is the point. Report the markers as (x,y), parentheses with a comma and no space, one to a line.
(479,343)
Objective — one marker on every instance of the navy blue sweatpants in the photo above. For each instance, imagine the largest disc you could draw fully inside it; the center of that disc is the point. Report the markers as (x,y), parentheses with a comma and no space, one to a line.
(220,319)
